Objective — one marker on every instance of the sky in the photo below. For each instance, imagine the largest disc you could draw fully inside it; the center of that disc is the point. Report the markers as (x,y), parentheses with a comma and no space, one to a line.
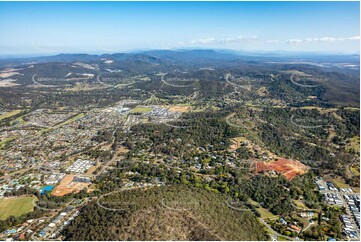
(107,27)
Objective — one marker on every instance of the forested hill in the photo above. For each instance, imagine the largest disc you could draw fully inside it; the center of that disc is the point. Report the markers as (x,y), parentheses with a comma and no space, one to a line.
(165,213)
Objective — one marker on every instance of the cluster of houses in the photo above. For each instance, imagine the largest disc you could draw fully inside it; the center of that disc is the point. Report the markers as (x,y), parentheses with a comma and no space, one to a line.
(9,188)
(44,118)
(349,229)
(54,178)
(323,186)
(82,179)
(333,199)
(346,190)
(53,229)
(30,149)
(80,166)
(131,184)
(29,180)
(16,159)
(353,202)
(162,114)
(343,197)
(307,214)
(121,108)
(21,230)
(331,187)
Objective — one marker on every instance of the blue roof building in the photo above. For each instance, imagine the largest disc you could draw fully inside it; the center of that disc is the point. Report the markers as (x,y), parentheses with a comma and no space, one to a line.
(46,189)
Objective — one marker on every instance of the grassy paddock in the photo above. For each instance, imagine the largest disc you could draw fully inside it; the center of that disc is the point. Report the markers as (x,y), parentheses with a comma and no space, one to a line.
(9,114)
(265,213)
(15,206)
(355,170)
(354,144)
(340,183)
(281,238)
(5,141)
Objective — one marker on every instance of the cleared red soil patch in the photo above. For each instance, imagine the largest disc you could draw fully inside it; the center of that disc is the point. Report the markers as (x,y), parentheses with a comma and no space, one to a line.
(289,168)
(67,186)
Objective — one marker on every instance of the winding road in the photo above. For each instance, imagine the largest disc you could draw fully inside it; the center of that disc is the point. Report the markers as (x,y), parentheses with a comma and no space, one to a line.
(301,85)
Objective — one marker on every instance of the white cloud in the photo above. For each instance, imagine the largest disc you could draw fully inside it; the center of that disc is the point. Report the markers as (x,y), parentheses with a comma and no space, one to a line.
(238,39)
(309,40)
(272,41)
(294,41)
(203,41)
(331,39)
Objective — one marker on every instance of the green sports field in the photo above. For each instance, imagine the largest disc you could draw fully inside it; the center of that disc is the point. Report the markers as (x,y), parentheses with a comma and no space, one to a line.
(15,206)
(141,109)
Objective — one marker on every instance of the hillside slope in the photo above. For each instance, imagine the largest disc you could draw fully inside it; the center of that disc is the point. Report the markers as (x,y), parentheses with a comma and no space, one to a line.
(166,213)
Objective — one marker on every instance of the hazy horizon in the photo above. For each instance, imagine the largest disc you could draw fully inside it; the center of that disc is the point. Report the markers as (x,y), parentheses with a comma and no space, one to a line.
(238,52)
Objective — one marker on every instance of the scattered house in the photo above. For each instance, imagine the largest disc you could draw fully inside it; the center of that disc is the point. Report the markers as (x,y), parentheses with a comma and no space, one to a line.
(42,233)
(295,228)
(325,218)
(320,186)
(283,221)
(51,225)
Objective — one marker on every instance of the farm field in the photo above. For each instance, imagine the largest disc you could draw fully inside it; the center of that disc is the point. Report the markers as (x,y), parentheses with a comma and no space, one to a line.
(15,206)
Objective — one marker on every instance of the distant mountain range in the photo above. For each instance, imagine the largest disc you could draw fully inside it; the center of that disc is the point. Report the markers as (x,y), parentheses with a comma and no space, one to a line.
(198,55)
